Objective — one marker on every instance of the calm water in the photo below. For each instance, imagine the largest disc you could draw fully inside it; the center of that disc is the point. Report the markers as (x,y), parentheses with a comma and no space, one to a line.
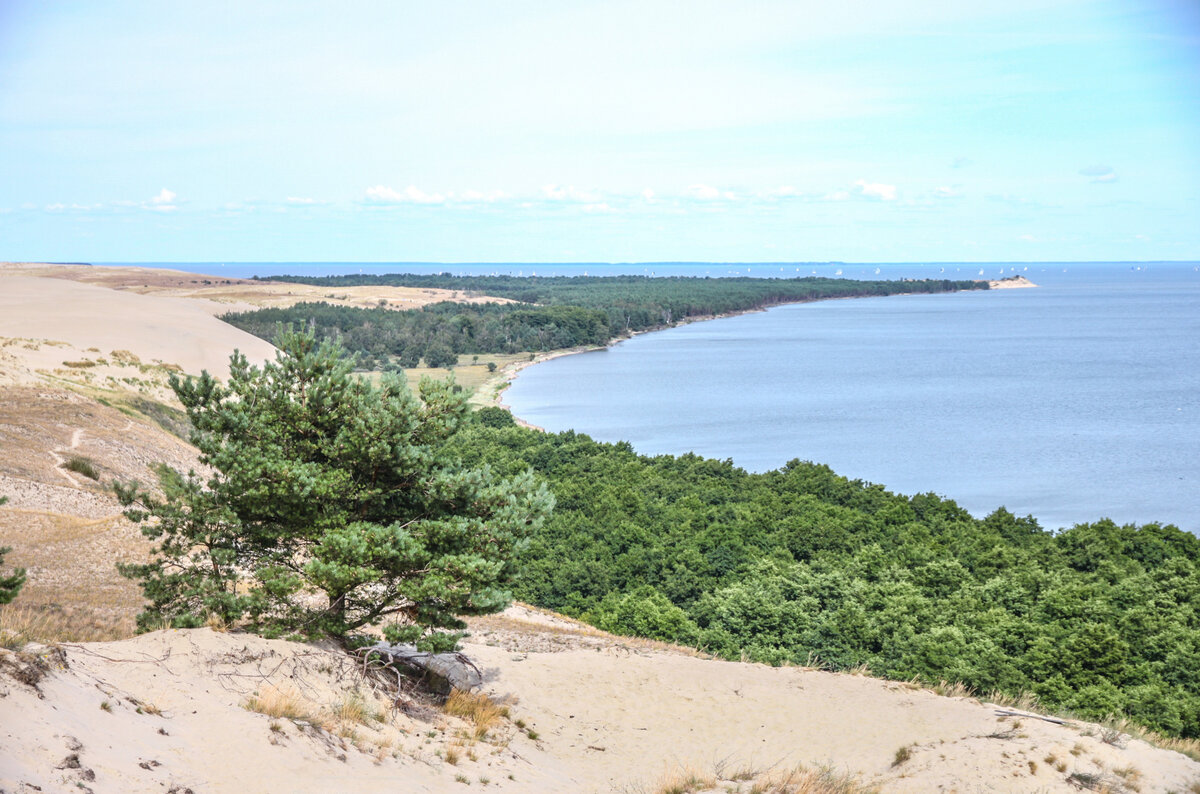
(1071,402)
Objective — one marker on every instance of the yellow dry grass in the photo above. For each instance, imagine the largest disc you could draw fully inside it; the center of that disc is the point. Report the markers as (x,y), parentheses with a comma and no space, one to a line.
(802,780)
(1118,726)
(482,712)
(796,780)
(354,708)
(22,623)
(280,702)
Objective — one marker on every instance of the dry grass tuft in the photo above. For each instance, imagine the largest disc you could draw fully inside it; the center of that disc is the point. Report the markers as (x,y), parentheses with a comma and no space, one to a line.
(952,689)
(1121,730)
(22,623)
(476,708)
(902,755)
(745,780)
(280,702)
(1025,701)
(801,780)
(355,708)
(684,781)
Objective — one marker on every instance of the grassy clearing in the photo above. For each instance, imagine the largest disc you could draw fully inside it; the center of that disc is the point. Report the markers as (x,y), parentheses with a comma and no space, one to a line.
(472,376)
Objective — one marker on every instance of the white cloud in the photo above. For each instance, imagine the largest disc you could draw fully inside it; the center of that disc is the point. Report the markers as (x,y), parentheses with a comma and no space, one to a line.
(163,202)
(876,190)
(1029,238)
(410,195)
(295,200)
(601,207)
(648,194)
(837,195)
(945,191)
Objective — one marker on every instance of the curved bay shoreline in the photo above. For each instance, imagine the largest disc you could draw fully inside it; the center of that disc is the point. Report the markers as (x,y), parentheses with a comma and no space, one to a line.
(492,391)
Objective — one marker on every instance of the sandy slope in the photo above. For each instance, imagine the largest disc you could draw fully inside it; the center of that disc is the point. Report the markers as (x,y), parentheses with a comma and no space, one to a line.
(174,331)
(609,715)
(218,294)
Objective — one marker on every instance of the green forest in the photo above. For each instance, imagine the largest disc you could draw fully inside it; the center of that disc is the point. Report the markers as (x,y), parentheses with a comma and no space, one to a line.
(798,565)
(550,313)
(801,565)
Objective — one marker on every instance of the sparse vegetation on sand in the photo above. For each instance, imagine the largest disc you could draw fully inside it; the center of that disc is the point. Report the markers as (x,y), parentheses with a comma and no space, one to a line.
(795,780)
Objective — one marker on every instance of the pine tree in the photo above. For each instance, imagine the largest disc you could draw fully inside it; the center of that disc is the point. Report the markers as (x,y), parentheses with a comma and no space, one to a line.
(331,505)
(9,585)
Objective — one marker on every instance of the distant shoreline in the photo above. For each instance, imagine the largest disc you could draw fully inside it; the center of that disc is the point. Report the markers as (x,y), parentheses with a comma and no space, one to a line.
(496,386)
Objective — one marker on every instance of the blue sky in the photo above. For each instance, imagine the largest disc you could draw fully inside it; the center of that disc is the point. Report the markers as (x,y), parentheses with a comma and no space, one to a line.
(610,131)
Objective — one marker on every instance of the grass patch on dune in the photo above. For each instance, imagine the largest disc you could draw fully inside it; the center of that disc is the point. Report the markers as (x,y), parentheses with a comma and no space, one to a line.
(476,708)
(277,702)
(21,624)
(796,780)
(173,420)
(81,465)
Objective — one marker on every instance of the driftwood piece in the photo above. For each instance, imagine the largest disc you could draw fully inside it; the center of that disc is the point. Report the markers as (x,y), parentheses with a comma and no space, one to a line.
(1006,713)
(448,670)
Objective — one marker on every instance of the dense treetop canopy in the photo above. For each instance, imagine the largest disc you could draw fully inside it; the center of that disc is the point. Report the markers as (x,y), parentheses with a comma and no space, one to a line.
(800,564)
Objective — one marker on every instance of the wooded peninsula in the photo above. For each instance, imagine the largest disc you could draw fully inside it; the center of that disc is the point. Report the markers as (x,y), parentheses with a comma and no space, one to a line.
(544,314)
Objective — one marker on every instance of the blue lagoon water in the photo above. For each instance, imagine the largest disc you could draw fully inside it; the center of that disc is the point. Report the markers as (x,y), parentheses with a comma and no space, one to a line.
(1074,401)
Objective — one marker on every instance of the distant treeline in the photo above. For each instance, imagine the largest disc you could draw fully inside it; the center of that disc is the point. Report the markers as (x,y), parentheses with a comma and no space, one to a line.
(552,313)
(801,565)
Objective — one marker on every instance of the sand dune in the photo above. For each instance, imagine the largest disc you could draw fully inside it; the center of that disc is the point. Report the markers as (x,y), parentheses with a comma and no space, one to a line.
(168,711)
(156,329)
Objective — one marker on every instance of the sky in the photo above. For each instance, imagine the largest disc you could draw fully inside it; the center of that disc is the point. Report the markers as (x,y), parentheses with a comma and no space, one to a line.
(892,130)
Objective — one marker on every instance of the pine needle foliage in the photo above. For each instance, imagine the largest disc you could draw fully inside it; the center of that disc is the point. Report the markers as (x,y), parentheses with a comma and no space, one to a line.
(332,505)
(9,585)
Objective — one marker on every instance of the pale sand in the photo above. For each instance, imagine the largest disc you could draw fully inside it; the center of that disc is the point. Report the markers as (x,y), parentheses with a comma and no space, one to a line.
(219,294)
(610,715)
(1012,282)
(173,331)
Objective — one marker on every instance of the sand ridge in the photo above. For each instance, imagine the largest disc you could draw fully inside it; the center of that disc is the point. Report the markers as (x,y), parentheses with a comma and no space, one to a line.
(596,714)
